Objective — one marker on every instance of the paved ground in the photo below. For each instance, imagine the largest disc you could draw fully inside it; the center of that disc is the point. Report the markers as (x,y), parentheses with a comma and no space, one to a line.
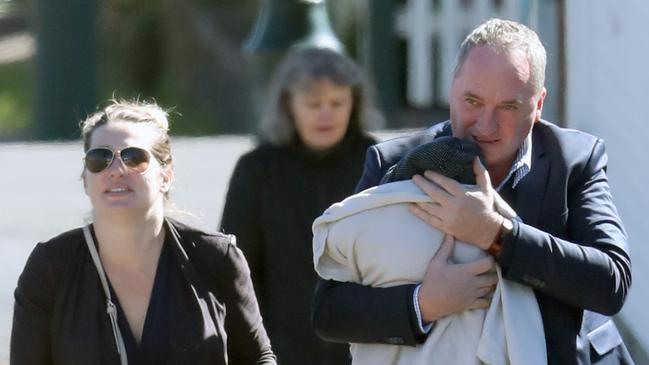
(16,47)
(41,195)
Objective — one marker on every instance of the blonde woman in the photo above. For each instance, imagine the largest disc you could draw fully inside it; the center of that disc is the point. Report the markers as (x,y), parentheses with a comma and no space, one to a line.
(135,286)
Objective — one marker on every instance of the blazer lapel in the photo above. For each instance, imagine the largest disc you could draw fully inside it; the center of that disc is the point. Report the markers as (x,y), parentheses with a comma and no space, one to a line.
(532,188)
(203,335)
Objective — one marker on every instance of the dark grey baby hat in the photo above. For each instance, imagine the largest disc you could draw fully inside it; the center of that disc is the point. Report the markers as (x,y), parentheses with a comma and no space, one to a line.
(450,156)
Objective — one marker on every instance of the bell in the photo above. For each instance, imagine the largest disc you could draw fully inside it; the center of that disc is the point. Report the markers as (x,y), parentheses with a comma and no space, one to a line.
(283,24)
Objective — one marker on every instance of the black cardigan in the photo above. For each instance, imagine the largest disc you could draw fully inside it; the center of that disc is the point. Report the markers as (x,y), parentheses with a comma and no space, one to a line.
(60,315)
(275,193)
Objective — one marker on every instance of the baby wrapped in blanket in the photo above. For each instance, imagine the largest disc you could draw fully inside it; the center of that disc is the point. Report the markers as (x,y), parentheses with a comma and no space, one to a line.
(371,238)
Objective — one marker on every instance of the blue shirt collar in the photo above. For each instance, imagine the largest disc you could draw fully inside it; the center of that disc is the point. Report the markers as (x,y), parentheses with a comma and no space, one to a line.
(522,164)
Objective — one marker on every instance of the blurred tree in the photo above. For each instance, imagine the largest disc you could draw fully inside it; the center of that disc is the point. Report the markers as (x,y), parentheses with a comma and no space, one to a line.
(207,57)
(134,30)
(187,54)
(65,65)
(183,53)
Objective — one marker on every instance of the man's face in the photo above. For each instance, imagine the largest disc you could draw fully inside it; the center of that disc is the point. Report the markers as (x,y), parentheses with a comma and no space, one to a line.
(493,103)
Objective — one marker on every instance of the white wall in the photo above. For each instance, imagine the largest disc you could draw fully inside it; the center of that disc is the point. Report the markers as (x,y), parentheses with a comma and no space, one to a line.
(607,48)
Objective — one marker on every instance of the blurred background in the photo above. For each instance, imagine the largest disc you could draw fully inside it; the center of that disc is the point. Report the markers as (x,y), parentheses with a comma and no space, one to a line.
(209,60)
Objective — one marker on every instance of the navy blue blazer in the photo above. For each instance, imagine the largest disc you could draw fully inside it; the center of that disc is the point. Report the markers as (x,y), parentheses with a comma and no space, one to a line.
(571,248)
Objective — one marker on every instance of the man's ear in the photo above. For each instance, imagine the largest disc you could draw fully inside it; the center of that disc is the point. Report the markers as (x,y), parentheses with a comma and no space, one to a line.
(539,104)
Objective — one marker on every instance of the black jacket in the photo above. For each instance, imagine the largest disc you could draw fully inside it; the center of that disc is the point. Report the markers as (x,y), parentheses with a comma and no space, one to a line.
(571,249)
(60,310)
(275,194)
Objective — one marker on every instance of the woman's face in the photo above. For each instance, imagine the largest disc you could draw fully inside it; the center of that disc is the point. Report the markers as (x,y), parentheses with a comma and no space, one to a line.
(321,111)
(120,191)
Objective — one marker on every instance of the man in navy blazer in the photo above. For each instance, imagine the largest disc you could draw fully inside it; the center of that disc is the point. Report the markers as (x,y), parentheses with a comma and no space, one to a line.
(570,245)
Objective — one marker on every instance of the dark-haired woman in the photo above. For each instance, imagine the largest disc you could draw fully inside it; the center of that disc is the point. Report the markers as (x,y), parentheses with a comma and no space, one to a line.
(313,141)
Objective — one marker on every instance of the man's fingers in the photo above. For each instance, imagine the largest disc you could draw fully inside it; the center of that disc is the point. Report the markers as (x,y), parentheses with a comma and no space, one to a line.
(449,185)
(481,174)
(424,212)
(488,281)
(445,249)
(434,191)
(481,266)
(480,303)
(487,292)
(430,208)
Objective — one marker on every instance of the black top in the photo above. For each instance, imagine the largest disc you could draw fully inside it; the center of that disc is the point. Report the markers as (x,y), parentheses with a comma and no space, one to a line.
(275,194)
(203,309)
(163,304)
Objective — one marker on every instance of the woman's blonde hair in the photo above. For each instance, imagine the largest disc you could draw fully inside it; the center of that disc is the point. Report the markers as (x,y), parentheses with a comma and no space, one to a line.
(134,112)
(302,66)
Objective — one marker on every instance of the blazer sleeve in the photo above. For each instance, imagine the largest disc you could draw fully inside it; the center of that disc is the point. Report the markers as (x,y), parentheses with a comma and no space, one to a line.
(590,267)
(34,298)
(371,170)
(349,312)
(248,342)
(240,216)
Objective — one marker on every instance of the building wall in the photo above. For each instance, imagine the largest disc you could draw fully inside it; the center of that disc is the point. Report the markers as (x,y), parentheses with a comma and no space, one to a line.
(607,52)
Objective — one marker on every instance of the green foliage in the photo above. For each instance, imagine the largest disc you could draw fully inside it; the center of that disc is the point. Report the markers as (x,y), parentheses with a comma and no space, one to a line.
(136,62)
(186,117)
(183,54)
(15,100)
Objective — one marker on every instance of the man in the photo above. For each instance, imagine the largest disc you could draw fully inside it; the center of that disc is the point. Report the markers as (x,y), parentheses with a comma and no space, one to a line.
(570,246)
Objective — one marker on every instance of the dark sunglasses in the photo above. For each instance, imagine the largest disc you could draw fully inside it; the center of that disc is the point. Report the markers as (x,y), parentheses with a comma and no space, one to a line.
(135,158)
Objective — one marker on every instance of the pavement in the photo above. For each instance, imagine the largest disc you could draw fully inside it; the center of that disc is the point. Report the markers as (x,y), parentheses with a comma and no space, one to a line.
(41,195)
(16,47)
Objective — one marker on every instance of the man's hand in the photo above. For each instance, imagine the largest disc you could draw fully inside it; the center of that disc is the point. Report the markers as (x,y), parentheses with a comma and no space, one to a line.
(468,214)
(453,288)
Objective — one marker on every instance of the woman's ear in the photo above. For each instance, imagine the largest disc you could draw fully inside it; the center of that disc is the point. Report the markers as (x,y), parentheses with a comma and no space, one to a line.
(83,180)
(167,178)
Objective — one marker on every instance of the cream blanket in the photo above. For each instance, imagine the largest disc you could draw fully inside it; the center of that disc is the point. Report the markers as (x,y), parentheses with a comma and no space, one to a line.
(371,238)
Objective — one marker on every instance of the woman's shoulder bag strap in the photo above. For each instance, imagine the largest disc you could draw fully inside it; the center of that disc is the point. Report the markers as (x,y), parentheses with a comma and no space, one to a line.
(110,306)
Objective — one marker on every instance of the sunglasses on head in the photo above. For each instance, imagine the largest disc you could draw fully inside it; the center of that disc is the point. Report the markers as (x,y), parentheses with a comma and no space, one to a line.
(135,158)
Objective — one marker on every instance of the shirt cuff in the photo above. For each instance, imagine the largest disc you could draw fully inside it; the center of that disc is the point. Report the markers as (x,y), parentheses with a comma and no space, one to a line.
(423,328)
